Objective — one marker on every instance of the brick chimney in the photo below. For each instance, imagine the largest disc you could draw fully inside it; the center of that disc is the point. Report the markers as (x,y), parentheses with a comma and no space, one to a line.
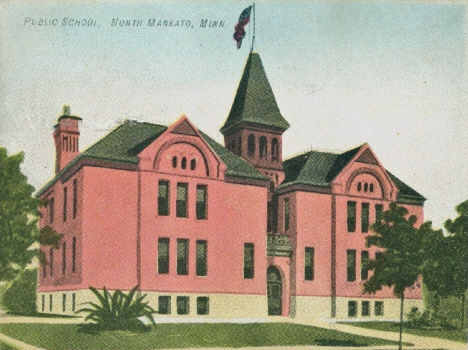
(66,136)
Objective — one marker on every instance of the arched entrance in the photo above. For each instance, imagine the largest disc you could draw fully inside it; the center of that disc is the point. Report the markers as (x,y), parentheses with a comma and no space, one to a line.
(274,291)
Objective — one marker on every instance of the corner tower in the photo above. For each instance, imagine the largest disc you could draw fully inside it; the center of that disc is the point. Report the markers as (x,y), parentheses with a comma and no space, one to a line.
(66,137)
(254,127)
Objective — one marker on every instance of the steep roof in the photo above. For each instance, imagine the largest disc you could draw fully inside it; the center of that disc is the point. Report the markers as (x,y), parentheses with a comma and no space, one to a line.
(317,168)
(125,142)
(255,102)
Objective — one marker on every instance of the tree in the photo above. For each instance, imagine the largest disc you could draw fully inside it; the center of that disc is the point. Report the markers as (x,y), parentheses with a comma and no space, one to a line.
(19,214)
(400,263)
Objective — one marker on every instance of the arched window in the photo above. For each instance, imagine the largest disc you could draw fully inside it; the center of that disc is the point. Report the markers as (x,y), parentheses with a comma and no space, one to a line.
(274,149)
(359,187)
(365,187)
(174,162)
(276,177)
(183,164)
(371,187)
(251,146)
(193,164)
(263,147)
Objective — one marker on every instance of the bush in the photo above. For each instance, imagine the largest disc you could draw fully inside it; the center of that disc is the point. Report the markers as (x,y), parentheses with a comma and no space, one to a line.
(118,311)
(20,294)
(427,319)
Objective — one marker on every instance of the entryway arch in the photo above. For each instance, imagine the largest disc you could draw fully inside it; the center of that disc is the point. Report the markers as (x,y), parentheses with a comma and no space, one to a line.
(274,291)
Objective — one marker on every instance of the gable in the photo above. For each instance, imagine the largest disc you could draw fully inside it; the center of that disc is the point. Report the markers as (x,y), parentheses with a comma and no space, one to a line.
(367,157)
(184,128)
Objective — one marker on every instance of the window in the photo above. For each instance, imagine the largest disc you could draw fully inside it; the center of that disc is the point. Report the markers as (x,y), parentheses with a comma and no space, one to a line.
(274,149)
(309,264)
(193,164)
(51,261)
(203,305)
(263,147)
(75,197)
(352,308)
(365,187)
(364,217)
(174,162)
(201,202)
(163,198)
(164,305)
(43,303)
(351,265)
(351,216)
(248,260)
(251,146)
(65,190)
(64,302)
(379,308)
(64,258)
(163,255)
(201,267)
(378,212)
(51,210)
(364,270)
(181,203)
(359,187)
(371,187)
(182,256)
(74,254)
(286,214)
(183,163)
(50,302)
(73,302)
(365,308)
(183,305)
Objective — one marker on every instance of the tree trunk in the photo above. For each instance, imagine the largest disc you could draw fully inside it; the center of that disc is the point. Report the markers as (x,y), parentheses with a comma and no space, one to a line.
(402,298)
(463,298)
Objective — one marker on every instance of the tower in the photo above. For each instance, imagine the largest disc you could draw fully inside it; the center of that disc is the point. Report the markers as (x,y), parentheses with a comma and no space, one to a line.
(66,136)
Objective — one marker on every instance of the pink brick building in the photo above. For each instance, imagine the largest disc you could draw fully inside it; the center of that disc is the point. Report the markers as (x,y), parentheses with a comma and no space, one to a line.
(217,231)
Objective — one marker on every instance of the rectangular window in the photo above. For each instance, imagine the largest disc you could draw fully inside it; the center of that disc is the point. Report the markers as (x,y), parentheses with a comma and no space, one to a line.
(74,254)
(203,305)
(183,307)
(181,203)
(309,264)
(163,255)
(163,198)
(51,261)
(43,302)
(182,256)
(378,212)
(201,258)
(64,302)
(365,308)
(73,302)
(64,258)
(164,305)
(379,308)
(286,214)
(75,197)
(351,265)
(364,217)
(51,210)
(65,195)
(50,302)
(248,260)
(364,270)
(201,202)
(351,216)
(352,308)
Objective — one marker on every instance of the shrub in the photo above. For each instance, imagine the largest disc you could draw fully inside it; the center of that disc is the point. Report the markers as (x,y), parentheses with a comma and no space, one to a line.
(20,294)
(428,319)
(118,311)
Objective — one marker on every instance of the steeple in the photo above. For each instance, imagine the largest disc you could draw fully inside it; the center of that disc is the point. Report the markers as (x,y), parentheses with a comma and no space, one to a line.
(255,102)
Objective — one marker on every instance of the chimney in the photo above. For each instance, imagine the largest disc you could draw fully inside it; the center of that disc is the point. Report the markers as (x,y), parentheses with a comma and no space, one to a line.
(66,136)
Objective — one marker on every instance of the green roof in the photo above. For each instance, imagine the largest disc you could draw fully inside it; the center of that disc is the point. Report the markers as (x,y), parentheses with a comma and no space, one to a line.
(124,143)
(317,168)
(255,102)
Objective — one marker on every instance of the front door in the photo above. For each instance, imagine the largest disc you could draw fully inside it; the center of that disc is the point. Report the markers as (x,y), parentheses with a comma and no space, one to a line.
(274,291)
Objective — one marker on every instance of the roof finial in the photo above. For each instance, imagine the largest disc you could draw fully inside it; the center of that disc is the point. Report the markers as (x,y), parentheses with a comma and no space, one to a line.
(66,110)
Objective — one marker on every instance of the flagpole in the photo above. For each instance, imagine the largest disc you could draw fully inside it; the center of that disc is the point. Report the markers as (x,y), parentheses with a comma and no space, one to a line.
(253,38)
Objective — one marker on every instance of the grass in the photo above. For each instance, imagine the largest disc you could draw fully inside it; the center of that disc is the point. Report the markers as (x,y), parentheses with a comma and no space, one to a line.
(5,346)
(69,336)
(459,335)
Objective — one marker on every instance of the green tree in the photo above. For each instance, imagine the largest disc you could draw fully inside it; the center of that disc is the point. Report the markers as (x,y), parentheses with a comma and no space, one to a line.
(400,263)
(19,214)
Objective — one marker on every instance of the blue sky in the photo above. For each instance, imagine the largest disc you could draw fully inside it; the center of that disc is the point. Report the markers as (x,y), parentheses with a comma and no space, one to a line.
(392,74)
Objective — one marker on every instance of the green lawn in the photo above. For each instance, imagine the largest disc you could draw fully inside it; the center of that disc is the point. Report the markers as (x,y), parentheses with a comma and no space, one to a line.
(69,336)
(455,335)
(4,346)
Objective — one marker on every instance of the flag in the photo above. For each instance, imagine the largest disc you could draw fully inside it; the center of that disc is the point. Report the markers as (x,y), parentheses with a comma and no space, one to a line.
(239,32)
